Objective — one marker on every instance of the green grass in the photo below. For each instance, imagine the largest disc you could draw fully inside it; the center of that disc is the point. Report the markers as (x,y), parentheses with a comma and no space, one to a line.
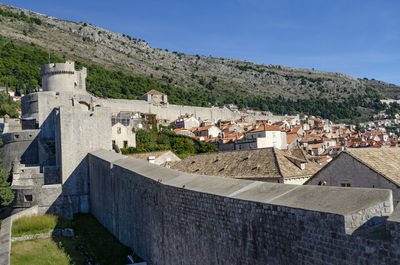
(92,242)
(45,251)
(100,244)
(29,225)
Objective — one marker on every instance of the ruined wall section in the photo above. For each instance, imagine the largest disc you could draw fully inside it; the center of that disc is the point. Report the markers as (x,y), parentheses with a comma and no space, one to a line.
(170,217)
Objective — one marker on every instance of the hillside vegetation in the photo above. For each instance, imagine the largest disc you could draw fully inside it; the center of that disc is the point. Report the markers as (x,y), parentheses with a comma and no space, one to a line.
(121,66)
(183,146)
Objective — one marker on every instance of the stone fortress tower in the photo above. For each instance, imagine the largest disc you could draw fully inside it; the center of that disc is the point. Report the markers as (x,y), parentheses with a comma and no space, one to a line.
(48,157)
(63,77)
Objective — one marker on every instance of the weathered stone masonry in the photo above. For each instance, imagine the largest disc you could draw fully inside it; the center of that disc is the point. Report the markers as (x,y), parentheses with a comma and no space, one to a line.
(170,217)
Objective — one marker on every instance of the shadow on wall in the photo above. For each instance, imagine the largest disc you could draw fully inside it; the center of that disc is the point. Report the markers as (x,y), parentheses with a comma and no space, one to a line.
(374,229)
(75,188)
(60,199)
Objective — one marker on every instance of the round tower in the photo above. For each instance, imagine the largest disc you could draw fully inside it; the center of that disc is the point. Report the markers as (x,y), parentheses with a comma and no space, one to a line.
(63,77)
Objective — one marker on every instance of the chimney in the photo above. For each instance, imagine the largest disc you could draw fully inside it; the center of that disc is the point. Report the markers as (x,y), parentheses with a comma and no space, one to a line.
(151,159)
(298,162)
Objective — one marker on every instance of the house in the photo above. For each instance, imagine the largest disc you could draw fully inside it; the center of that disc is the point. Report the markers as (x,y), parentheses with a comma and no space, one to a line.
(210,131)
(267,164)
(205,123)
(122,136)
(161,158)
(328,142)
(228,141)
(316,149)
(296,129)
(268,136)
(129,118)
(363,167)
(231,127)
(292,140)
(248,119)
(155,97)
(186,122)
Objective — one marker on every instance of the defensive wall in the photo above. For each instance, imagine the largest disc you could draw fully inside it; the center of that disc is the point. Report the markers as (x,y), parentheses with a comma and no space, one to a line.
(170,217)
(172,112)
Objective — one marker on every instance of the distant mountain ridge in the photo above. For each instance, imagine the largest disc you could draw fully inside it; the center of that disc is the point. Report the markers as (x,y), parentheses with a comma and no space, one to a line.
(91,44)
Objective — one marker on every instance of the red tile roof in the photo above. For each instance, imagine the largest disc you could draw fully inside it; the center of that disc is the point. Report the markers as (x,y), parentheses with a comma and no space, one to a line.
(266,127)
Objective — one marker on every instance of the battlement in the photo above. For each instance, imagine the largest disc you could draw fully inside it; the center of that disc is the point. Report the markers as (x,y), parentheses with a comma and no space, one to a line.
(63,77)
(54,68)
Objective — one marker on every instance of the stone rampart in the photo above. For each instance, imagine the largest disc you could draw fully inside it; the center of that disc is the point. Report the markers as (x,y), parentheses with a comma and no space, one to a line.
(172,112)
(169,217)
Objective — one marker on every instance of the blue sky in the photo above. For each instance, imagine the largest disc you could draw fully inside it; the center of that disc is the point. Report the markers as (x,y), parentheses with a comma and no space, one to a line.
(360,38)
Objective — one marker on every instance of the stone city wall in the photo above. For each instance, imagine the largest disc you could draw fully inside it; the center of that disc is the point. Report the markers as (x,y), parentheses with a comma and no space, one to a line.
(172,112)
(169,217)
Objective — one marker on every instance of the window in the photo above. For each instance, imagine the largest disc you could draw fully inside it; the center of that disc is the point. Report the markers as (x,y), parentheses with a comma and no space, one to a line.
(125,144)
(28,198)
(345,184)
(119,130)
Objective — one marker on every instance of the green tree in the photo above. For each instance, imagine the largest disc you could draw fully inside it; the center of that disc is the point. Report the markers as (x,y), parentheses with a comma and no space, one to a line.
(6,194)
(143,138)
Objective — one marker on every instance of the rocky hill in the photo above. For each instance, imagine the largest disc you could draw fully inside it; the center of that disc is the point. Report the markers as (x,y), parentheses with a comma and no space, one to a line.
(115,51)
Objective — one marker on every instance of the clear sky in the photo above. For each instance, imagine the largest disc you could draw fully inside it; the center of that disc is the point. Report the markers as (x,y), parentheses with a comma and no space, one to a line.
(357,37)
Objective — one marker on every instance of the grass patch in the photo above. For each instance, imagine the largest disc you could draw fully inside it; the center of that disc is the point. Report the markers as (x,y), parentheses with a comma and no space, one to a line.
(29,225)
(91,243)
(45,251)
